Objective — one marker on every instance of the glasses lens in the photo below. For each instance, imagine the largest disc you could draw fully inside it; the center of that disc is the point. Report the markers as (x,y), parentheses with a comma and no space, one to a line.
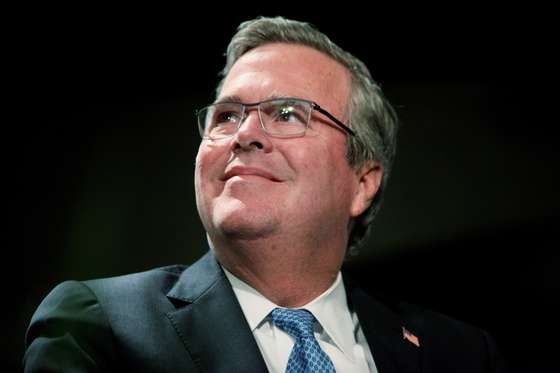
(219,120)
(285,117)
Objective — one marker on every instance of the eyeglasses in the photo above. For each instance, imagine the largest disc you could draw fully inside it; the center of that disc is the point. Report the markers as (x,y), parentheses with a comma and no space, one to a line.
(279,117)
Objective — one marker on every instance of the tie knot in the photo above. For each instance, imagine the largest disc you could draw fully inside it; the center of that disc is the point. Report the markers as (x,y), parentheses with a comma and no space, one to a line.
(297,323)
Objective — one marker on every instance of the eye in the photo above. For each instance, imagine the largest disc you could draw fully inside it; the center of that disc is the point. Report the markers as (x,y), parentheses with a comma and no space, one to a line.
(225,117)
(223,120)
(290,114)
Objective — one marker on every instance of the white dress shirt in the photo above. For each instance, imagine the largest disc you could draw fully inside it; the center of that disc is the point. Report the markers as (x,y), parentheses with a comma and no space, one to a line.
(337,329)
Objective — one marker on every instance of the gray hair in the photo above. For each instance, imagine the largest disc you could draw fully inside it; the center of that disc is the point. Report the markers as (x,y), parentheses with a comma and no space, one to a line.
(369,113)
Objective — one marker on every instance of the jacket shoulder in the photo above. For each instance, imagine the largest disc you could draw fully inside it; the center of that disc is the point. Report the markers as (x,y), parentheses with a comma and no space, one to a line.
(73,328)
(432,320)
(153,280)
(448,340)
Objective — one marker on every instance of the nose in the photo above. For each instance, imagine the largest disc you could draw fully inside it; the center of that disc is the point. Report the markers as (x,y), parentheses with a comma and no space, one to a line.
(251,135)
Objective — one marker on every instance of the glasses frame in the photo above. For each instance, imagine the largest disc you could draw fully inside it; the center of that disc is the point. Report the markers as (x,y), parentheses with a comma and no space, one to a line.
(313,104)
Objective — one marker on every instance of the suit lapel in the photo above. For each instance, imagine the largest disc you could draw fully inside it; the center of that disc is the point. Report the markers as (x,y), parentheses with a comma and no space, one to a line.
(383,330)
(210,321)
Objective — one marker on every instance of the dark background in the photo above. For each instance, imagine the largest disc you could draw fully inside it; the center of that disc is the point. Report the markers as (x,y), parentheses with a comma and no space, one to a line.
(469,224)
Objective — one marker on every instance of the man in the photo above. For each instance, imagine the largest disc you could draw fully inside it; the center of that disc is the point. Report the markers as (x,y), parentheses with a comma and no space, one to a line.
(295,154)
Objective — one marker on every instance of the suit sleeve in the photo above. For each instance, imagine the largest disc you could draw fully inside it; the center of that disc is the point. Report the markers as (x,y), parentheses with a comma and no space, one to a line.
(69,333)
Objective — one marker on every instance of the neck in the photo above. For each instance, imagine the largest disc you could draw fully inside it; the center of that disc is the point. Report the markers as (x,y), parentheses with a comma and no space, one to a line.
(288,275)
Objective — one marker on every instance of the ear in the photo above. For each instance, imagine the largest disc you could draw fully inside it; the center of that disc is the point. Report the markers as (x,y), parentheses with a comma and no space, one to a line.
(369,176)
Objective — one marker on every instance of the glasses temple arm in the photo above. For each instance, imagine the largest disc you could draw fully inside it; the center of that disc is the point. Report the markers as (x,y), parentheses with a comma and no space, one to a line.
(333,118)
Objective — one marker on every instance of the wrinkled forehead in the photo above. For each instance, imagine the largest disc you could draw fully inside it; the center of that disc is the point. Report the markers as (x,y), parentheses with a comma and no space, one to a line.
(280,69)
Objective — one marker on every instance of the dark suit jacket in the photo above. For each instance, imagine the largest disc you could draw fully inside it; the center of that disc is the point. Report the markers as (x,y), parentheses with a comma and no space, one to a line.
(178,319)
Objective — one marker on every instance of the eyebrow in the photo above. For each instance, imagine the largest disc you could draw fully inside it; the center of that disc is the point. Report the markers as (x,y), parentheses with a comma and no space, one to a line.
(229,99)
(236,99)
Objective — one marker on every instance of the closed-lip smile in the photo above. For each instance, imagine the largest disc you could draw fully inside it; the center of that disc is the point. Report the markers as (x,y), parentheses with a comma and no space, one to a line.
(252,171)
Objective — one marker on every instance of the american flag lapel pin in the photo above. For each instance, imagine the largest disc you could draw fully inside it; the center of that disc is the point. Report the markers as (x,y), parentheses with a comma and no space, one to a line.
(410,337)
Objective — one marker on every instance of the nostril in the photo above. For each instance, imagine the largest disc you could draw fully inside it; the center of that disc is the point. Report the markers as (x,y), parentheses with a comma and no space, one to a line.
(253,145)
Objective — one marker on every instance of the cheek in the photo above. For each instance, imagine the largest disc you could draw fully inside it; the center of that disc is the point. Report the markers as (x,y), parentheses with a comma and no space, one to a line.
(210,157)
(200,170)
(207,166)
(206,188)
(335,177)
(200,186)
(324,172)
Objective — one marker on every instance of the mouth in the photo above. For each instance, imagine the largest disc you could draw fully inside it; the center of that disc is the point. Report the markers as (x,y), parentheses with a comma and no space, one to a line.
(249,171)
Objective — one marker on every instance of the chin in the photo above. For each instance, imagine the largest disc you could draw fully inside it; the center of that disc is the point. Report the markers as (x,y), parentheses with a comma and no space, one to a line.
(237,220)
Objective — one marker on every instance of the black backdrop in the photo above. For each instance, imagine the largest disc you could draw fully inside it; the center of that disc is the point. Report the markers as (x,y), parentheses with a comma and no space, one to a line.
(468,227)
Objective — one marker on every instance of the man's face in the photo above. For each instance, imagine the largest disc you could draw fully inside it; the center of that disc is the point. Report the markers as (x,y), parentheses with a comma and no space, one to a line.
(251,185)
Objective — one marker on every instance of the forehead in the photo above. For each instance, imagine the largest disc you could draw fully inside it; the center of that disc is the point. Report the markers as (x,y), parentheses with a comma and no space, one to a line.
(280,69)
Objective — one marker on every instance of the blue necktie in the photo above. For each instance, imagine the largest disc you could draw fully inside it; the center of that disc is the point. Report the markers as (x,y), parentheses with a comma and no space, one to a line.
(306,356)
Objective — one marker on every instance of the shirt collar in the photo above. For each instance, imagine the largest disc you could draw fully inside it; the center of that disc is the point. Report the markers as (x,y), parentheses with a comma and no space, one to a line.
(254,305)
(330,309)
